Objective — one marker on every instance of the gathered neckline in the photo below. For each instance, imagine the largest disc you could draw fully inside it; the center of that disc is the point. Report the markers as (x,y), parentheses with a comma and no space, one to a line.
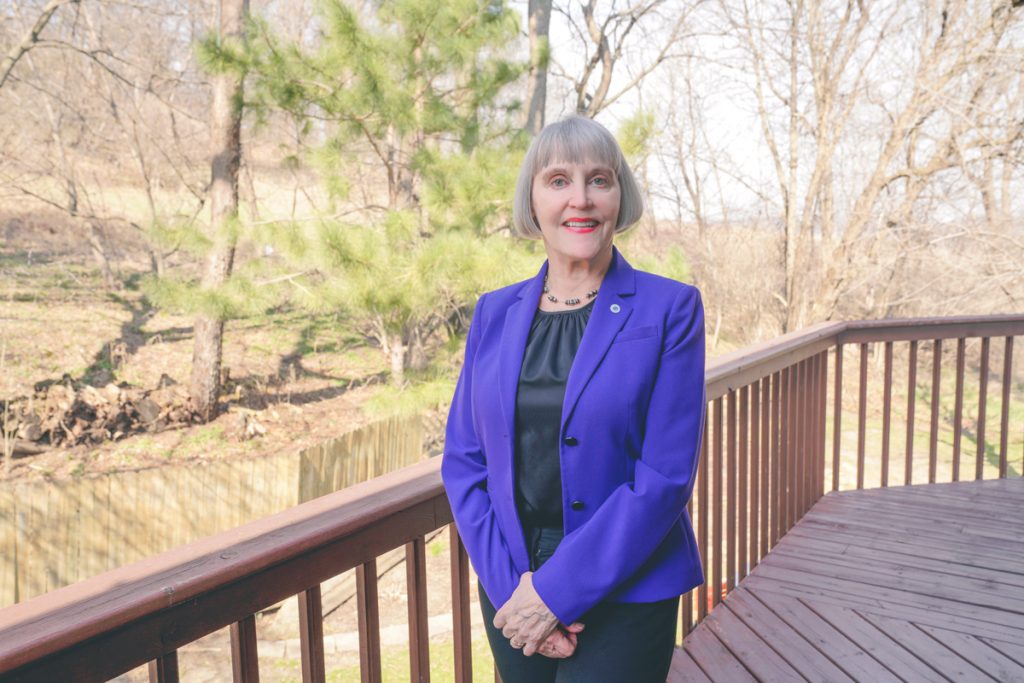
(566,312)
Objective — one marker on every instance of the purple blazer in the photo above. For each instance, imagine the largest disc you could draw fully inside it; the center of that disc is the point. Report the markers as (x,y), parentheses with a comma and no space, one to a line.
(632,423)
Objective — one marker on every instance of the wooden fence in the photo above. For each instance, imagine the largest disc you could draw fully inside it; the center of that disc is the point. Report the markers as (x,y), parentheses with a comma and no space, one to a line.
(56,533)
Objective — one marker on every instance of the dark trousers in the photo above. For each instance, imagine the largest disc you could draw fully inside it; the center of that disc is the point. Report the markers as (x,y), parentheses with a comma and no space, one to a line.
(621,642)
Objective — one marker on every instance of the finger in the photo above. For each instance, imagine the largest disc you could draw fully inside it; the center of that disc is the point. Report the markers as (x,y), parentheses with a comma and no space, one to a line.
(574,627)
(500,618)
(508,632)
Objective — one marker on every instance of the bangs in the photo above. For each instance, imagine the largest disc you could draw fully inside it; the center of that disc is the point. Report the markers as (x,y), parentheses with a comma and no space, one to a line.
(573,141)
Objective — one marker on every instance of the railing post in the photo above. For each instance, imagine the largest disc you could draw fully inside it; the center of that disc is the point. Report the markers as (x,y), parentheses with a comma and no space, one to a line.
(777,459)
(958,409)
(755,473)
(460,608)
(837,417)
(933,440)
(702,521)
(1004,422)
(164,669)
(908,467)
(369,622)
(716,503)
(862,406)
(245,665)
(744,482)
(982,396)
(731,495)
(311,635)
(416,588)
(886,413)
(766,480)
(822,418)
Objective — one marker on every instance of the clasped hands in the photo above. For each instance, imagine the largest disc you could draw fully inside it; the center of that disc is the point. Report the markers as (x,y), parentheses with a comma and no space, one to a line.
(528,624)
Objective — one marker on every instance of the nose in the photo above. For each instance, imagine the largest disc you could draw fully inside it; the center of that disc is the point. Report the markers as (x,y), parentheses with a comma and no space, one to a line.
(580,196)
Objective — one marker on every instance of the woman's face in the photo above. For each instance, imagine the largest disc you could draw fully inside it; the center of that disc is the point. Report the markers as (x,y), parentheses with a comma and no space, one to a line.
(577,207)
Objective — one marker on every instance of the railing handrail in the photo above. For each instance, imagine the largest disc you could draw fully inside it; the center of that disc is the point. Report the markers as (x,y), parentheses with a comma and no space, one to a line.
(68,616)
(742,366)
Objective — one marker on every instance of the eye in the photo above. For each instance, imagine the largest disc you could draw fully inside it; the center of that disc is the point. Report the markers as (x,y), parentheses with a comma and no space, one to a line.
(600,181)
(558,181)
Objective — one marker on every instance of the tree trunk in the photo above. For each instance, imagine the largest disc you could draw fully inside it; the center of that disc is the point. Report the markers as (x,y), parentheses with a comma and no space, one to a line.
(540,52)
(396,354)
(225,148)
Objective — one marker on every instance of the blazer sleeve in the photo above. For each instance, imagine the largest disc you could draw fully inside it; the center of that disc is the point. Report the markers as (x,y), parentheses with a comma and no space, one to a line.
(632,522)
(464,473)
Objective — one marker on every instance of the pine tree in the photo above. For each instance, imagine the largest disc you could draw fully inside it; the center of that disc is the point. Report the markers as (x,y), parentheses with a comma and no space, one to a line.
(421,88)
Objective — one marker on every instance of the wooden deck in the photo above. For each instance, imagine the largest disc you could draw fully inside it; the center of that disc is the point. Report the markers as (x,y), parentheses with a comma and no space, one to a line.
(913,583)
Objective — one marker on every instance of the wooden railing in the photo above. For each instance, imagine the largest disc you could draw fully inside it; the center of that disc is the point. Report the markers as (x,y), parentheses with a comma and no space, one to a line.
(763,464)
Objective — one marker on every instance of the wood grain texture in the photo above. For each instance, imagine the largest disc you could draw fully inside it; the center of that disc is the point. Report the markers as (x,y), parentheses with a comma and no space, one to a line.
(900,583)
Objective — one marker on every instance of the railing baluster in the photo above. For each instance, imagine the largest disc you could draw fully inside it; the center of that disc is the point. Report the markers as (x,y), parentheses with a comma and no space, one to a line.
(792,493)
(164,669)
(311,635)
(369,622)
(776,479)
(1004,422)
(755,471)
(785,451)
(908,467)
(744,481)
(933,440)
(862,406)
(982,395)
(686,604)
(702,521)
(886,413)
(806,436)
(837,417)
(416,589)
(820,364)
(822,417)
(716,504)
(731,496)
(245,665)
(460,608)
(798,440)
(958,410)
(766,460)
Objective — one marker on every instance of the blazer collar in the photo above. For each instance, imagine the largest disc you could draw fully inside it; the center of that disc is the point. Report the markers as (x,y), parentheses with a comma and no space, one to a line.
(611,310)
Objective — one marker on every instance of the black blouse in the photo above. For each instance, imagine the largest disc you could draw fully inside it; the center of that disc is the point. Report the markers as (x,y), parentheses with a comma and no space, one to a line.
(550,349)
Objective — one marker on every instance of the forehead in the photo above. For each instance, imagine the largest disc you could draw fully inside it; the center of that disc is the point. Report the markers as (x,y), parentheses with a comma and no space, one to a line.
(580,146)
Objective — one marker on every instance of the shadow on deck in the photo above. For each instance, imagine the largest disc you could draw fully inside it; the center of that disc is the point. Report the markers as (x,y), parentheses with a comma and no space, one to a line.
(907,583)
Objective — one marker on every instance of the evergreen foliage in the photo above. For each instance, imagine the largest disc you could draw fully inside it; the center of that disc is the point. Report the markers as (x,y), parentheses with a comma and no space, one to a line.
(418,90)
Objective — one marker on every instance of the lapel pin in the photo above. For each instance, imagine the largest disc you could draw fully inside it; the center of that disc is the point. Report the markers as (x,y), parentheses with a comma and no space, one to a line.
(615,308)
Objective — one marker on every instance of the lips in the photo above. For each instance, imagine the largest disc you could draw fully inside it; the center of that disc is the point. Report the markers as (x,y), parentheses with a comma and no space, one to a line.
(581,225)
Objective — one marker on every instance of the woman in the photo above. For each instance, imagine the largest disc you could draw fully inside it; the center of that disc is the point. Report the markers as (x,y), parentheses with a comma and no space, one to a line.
(574,432)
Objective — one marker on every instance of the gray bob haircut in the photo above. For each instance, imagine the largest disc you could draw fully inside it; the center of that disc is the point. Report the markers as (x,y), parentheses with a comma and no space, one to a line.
(574,140)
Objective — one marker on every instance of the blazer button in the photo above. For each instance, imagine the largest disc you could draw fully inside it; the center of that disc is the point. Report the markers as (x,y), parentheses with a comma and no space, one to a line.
(576,505)
(571,441)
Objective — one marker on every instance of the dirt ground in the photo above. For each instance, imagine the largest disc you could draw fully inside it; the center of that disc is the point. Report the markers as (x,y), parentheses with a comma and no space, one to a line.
(304,379)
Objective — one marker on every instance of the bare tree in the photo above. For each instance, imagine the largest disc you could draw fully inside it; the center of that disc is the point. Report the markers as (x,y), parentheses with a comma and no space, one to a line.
(605,41)
(30,39)
(225,148)
(893,93)
(540,53)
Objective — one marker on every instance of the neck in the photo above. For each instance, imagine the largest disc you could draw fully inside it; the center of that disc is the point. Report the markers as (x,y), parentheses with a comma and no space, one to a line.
(571,274)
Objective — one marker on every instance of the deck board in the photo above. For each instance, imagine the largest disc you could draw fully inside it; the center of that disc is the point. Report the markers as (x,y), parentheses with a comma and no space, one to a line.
(917,583)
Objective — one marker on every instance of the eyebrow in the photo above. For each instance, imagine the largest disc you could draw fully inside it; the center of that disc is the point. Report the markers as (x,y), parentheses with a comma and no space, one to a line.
(554,170)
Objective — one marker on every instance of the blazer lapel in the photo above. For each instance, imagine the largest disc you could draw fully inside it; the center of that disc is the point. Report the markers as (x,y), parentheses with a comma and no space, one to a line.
(611,310)
(518,319)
